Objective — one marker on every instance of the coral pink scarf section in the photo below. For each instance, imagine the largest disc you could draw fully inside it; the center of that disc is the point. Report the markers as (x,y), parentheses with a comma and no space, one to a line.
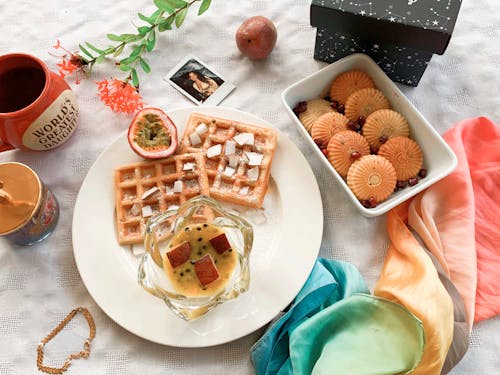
(458,218)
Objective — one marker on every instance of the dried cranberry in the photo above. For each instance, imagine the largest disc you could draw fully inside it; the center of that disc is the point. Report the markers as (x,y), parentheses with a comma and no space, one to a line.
(341,108)
(383,139)
(372,202)
(422,173)
(361,120)
(318,142)
(352,125)
(334,105)
(327,98)
(324,151)
(401,184)
(365,203)
(300,107)
(412,181)
(355,155)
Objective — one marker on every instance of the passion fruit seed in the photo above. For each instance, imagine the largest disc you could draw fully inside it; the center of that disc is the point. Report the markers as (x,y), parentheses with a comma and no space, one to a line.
(151,132)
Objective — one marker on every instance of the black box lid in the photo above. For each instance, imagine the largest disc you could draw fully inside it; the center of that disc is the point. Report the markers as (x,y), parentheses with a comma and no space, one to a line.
(421,24)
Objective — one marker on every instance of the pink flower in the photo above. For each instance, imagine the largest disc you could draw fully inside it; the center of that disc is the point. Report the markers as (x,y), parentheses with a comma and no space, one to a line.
(119,96)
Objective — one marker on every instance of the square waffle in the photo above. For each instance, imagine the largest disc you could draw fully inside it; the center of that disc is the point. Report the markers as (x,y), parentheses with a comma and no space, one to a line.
(146,188)
(239,177)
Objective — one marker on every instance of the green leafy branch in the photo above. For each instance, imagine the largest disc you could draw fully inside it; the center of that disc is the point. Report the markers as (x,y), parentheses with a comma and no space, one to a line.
(168,13)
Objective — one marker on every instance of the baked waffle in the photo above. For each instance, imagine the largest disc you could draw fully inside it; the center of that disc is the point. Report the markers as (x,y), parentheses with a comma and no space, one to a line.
(146,188)
(240,172)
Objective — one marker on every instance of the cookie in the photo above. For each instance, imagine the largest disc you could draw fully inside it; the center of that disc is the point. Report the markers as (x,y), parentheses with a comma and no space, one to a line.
(327,125)
(384,124)
(364,102)
(348,83)
(372,177)
(404,154)
(314,109)
(345,148)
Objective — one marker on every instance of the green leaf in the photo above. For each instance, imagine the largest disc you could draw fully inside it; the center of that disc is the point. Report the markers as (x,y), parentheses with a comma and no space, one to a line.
(150,44)
(164,6)
(128,60)
(177,3)
(135,78)
(205,4)
(100,59)
(181,16)
(129,38)
(119,50)
(144,65)
(143,30)
(94,48)
(124,67)
(114,37)
(137,51)
(85,51)
(166,24)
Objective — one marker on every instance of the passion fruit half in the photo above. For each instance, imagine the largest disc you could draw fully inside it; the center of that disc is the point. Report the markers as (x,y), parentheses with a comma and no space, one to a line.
(152,134)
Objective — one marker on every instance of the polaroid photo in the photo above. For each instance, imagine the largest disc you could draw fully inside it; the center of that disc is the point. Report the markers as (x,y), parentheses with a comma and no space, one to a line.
(199,83)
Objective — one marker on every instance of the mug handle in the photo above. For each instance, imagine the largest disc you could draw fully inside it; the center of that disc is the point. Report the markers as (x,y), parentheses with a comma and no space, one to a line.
(5,146)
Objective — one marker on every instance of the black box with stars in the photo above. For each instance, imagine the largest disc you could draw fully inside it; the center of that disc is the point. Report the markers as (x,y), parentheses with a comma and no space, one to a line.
(400,35)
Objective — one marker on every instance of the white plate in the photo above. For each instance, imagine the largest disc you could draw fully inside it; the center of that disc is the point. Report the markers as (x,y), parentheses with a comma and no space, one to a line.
(285,248)
(439,159)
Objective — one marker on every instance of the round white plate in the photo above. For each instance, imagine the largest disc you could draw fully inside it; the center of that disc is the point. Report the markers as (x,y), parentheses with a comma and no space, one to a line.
(287,235)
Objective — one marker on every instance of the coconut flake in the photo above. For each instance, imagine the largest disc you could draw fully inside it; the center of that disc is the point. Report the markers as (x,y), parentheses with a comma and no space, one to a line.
(254,158)
(195,139)
(214,151)
(230,147)
(244,138)
(201,129)
(177,186)
(188,167)
(147,211)
(233,161)
(244,190)
(229,171)
(253,173)
(135,209)
(149,192)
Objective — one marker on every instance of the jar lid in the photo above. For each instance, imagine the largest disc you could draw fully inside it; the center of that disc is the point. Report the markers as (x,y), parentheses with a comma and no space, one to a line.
(20,190)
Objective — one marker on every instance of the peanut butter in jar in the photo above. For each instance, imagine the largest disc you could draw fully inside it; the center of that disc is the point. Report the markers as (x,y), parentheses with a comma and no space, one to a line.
(28,209)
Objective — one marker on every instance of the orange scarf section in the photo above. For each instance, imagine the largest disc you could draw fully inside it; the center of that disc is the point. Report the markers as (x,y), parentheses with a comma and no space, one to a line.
(410,278)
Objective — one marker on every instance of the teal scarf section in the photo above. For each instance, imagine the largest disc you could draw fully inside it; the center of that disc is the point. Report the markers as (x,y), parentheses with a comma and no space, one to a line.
(334,327)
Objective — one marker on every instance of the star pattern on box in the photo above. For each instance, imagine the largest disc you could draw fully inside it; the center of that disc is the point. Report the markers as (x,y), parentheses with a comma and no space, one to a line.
(401,64)
(436,15)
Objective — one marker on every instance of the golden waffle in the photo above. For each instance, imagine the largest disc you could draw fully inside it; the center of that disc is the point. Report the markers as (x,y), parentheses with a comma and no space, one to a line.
(242,182)
(154,184)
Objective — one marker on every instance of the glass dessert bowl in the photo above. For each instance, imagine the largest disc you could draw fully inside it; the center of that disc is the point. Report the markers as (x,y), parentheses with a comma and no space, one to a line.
(204,260)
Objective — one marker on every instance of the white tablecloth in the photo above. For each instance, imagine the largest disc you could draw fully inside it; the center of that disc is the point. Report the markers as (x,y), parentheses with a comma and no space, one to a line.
(39,285)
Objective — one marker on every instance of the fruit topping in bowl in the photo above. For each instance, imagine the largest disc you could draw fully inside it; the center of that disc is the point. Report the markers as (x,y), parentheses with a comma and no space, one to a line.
(152,134)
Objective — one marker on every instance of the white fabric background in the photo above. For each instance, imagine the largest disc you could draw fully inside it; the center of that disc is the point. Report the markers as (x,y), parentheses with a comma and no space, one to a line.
(39,285)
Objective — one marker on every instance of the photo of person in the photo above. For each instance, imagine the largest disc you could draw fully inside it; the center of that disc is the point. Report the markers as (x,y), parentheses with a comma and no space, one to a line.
(196,80)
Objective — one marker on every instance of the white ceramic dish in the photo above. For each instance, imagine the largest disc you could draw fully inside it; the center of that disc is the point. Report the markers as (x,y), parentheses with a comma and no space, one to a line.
(439,159)
(286,245)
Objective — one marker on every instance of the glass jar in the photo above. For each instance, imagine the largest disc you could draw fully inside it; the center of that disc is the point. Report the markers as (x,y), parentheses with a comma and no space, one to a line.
(198,214)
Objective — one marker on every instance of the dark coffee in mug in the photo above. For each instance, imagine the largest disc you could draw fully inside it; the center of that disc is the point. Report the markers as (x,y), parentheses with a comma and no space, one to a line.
(20,87)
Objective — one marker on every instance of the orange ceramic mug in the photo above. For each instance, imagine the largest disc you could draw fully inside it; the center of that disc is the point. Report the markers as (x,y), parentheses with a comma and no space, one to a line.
(38,110)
